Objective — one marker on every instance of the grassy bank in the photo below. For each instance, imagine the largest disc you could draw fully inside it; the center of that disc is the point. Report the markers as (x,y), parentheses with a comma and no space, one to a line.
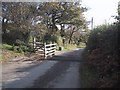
(8,53)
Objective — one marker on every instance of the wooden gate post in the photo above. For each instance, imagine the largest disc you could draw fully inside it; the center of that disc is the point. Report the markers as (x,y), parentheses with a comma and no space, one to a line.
(45,50)
(49,50)
(34,43)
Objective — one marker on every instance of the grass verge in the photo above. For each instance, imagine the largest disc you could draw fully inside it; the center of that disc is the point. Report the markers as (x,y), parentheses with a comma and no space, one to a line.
(82,45)
(69,47)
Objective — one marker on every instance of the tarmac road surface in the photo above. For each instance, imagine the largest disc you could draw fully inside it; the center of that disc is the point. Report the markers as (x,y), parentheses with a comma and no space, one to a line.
(60,71)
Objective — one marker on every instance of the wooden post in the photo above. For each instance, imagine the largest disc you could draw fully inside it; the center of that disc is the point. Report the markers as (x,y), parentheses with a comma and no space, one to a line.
(34,43)
(92,23)
(54,49)
(45,51)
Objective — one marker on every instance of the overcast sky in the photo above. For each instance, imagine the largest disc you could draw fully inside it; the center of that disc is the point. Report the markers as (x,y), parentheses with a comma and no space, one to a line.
(101,10)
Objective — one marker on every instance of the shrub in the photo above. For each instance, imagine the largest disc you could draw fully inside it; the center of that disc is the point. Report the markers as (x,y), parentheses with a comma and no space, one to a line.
(103,56)
(19,42)
(104,37)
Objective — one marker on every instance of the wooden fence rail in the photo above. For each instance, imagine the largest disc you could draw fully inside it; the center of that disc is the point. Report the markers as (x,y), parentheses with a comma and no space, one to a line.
(47,49)
(44,49)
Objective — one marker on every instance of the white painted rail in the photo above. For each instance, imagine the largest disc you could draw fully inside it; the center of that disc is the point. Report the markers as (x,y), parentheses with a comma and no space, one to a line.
(49,49)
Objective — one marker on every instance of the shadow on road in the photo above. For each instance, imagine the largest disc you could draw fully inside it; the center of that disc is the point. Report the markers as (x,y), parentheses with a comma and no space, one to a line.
(58,63)
(74,56)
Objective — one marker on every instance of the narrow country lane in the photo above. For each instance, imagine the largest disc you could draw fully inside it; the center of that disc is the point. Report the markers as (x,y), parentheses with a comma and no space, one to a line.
(60,71)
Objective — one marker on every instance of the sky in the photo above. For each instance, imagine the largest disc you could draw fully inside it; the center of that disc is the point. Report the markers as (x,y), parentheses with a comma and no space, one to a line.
(101,10)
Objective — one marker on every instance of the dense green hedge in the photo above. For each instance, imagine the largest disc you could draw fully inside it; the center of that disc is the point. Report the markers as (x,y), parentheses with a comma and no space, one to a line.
(104,37)
(102,55)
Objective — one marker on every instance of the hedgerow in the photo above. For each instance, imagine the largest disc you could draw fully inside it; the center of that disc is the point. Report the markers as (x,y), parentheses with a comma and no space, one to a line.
(103,57)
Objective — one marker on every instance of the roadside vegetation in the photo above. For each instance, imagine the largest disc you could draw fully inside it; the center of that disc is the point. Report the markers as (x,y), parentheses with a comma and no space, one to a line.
(69,47)
(57,22)
(8,53)
(101,68)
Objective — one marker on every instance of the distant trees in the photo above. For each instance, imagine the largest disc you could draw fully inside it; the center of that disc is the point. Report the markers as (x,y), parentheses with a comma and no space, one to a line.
(17,17)
(20,18)
(64,14)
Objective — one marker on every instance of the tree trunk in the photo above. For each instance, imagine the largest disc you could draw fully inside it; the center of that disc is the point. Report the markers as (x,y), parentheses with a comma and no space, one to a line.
(70,39)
